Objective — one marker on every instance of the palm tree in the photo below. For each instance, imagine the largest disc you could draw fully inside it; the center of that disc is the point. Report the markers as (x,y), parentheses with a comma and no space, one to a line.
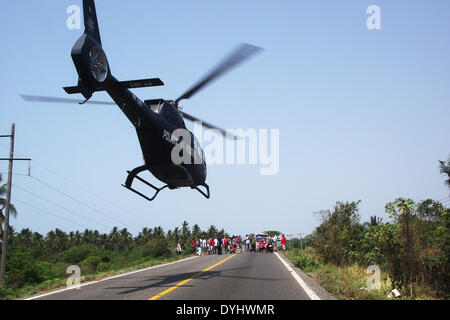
(24,238)
(212,231)
(158,232)
(114,239)
(185,234)
(125,239)
(374,220)
(51,242)
(12,209)
(445,169)
(176,233)
(62,240)
(96,238)
(196,231)
(38,241)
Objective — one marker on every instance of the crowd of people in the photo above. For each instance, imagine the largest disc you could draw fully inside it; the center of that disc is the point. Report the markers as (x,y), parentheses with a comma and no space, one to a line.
(236,244)
(217,245)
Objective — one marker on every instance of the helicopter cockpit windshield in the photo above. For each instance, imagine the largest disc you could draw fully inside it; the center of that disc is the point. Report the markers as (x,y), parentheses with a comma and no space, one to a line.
(167,111)
(157,106)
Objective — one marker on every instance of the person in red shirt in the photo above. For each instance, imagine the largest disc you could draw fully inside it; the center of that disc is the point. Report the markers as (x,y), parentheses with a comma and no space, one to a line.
(211,246)
(283,242)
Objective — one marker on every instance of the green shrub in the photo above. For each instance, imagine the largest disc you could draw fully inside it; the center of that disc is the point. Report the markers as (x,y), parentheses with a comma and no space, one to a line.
(89,265)
(156,248)
(119,263)
(103,267)
(75,255)
(108,256)
(161,249)
(59,269)
(337,238)
(45,270)
(306,263)
(22,268)
(5,292)
(137,253)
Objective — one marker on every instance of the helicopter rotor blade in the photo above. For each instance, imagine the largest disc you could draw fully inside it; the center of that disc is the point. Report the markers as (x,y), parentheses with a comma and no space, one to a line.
(209,125)
(31,98)
(241,53)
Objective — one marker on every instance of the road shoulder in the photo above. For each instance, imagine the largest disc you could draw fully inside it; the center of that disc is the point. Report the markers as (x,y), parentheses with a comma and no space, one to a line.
(311,283)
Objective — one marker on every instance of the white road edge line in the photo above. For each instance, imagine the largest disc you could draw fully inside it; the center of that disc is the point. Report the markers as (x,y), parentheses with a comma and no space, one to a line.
(312,295)
(109,278)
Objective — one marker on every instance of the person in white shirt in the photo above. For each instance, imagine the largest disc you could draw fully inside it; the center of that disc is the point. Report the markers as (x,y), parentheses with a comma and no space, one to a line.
(204,246)
(199,247)
(274,241)
(216,244)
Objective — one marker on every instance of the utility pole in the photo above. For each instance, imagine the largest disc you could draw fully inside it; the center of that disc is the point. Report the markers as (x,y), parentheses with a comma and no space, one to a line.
(8,201)
(301,240)
(290,238)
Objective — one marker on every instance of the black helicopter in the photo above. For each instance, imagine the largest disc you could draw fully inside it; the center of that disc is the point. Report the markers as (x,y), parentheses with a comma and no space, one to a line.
(157,121)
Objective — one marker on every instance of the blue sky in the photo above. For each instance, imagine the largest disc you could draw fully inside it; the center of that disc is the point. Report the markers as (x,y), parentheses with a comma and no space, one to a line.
(363,114)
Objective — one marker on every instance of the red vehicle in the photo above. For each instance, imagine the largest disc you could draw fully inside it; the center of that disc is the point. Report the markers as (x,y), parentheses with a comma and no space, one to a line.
(261,241)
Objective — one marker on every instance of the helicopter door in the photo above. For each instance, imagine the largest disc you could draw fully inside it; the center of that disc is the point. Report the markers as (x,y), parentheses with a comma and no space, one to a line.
(199,155)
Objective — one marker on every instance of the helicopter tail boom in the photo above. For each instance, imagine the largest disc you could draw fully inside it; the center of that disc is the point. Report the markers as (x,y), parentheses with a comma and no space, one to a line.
(90,20)
(88,56)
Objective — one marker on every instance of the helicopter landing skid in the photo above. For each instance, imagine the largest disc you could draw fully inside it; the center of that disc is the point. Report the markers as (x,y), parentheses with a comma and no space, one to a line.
(206,195)
(196,186)
(133,174)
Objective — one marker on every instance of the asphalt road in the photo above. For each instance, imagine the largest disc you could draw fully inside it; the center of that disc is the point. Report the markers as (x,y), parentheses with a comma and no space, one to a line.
(248,276)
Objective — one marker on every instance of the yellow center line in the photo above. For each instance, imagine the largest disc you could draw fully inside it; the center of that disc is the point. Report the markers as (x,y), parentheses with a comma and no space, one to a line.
(159,295)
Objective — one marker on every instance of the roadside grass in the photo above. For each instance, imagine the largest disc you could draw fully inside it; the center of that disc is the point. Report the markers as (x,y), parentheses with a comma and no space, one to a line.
(59,283)
(346,282)
(350,283)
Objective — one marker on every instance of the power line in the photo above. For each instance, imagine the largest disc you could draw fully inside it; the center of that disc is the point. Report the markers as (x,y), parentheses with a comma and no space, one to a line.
(17,174)
(48,212)
(76,184)
(61,207)
(81,187)
(81,203)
